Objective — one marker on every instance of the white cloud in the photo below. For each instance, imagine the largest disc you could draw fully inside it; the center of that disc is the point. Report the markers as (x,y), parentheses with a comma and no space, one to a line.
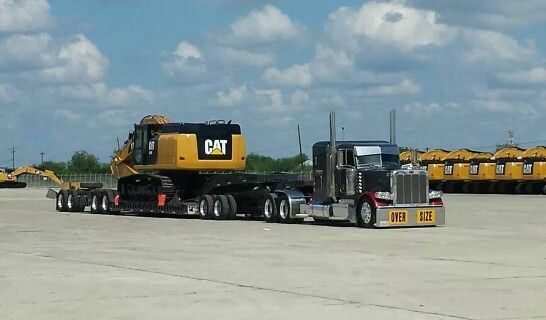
(271,98)
(406,87)
(492,46)
(299,98)
(268,24)
(232,96)
(297,75)
(391,23)
(186,60)
(79,61)
(100,94)
(8,93)
(246,58)
(126,96)
(527,77)
(24,15)
(67,115)
(25,52)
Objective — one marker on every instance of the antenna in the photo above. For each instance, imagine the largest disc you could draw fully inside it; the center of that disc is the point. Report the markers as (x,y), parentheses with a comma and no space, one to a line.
(392,123)
(13,157)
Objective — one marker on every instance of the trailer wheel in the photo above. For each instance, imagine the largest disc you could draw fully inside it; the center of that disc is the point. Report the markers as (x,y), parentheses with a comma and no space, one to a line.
(220,207)
(60,202)
(72,201)
(105,203)
(95,208)
(269,207)
(232,206)
(205,207)
(365,216)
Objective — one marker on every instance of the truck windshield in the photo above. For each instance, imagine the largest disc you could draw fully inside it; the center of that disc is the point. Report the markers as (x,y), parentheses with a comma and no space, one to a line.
(382,161)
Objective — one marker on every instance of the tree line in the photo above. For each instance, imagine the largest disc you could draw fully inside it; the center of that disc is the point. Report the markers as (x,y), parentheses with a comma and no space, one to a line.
(83,162)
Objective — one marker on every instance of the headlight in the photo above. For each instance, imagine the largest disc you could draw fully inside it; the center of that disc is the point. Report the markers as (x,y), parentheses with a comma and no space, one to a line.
(384,195)
(433,194)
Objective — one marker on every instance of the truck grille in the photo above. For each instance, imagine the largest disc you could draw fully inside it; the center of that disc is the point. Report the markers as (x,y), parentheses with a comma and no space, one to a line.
(410,187)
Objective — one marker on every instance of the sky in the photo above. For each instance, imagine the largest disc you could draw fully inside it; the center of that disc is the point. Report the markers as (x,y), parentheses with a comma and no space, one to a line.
(76,75)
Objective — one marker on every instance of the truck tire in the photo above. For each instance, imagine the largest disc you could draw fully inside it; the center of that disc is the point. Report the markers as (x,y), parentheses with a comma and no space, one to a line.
(269,207)
(284,211)
(365,215)
(60,202)
(232,206)
(72,201)
(205,207)
(105,204)
(220,207)
(95,207)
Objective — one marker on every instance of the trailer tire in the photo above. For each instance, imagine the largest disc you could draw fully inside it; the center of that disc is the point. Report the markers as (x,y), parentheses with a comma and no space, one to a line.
(467,187)
(60,201)
(269,208)
(95,207)
(72,201)
(232,206)
(492,188)
(205,207)
(520,187)
(220,207)
(105,203)
(365,215)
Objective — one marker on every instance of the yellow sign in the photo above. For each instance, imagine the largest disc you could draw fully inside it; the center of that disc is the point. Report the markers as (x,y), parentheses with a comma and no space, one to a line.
(398,217)
(425,216)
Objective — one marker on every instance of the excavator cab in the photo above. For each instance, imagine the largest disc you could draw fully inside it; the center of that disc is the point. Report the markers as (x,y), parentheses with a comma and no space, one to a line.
(146,137)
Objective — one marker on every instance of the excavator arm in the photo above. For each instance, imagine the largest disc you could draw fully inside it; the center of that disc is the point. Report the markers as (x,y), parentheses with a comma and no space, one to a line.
(9,180)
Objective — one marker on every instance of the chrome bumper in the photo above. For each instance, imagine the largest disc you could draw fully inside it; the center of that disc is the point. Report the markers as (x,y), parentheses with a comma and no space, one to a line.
(383,217)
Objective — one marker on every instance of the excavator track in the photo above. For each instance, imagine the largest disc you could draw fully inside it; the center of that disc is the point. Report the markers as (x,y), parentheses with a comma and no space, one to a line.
(146,187)
(12,185)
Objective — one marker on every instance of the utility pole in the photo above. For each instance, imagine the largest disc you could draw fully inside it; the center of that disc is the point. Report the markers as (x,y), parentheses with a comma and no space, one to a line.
(13,157)
(301,153)
(42,154)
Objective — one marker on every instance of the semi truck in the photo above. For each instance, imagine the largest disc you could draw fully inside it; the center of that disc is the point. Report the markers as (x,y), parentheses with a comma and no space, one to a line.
(196,168)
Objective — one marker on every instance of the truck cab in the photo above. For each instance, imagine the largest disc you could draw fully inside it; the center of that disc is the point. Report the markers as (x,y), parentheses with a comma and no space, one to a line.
(363,182)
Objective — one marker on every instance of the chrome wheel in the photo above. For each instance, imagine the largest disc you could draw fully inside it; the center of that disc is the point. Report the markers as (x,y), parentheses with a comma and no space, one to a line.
(60,199)
(94,203)
(268,208)
(366,212)
(284,209)
(217,208)
(70,202)
(203,208)
(104,203)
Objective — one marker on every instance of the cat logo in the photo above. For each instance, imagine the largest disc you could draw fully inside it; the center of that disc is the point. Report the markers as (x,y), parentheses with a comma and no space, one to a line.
(215,147)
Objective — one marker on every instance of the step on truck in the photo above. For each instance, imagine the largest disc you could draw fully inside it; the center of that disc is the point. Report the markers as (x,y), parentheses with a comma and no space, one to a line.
(196,168)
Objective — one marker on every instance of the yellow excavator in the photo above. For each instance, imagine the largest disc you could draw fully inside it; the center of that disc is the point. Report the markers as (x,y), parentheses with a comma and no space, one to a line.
(8,178)
(534,171)
(433,162)
(508,170)
(457,170)
(481,172)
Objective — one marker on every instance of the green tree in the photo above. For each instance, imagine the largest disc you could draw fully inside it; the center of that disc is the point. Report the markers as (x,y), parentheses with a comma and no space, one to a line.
(57,167)
(261,163)
(83,162)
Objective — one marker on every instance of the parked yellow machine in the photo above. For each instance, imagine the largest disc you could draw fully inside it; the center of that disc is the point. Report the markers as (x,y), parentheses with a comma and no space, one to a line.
(457,170)
(433,162)
(8,178)
(405,156)
(534,171)
(508,170)
(481,172)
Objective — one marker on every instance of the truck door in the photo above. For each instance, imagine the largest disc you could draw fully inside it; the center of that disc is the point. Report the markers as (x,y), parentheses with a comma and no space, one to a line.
(319,173)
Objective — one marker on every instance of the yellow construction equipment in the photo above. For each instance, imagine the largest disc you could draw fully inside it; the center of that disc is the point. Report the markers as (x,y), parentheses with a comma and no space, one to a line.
(457,170)
(406,156)
(534,171)
(433,162)
(481,172)
(8,178)
(508,170)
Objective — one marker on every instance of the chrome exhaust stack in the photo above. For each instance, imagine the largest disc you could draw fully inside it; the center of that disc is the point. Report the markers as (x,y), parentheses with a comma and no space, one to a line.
(331,164)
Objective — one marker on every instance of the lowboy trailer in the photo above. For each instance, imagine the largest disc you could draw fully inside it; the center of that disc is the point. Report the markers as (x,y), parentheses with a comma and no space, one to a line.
(356,181)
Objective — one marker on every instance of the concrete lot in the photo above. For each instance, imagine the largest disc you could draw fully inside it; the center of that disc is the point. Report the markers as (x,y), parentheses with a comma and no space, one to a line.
(489,262)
